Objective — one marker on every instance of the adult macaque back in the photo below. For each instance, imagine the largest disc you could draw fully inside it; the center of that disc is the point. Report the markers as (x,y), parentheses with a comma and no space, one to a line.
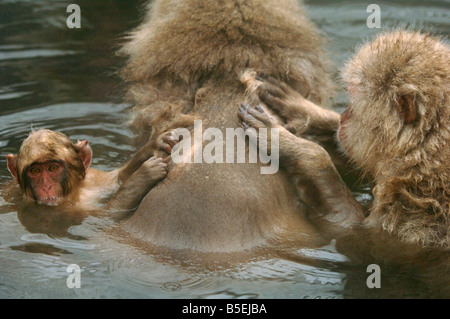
(188,58)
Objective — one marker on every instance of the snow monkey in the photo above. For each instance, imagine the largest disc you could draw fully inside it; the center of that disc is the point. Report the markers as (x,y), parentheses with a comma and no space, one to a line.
(52,171)
(396,130)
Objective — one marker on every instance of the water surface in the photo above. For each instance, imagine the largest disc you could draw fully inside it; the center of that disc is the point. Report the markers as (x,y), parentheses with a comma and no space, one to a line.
(63,79)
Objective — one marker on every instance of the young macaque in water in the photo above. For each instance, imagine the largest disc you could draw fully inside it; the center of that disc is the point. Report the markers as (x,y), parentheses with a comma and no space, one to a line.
(54,176)
(396,130)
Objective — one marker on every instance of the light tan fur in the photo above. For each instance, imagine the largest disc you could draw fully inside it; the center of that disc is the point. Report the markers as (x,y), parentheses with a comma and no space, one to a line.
(396,130)
(186,45)
(410,163)
(186,59)
(45,145)
(76,187)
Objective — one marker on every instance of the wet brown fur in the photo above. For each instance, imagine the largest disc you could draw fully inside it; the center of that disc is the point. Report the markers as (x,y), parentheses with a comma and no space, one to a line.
(184,46)
(45,145)
(187,59)
(79,188)
(396,130)
(410,162)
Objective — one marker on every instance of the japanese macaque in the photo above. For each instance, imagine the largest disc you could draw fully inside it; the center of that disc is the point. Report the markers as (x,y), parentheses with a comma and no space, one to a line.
(396,130)
(187,59)
(52,171)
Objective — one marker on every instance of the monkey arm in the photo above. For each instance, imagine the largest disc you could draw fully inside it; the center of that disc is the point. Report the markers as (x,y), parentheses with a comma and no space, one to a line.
(163,142)
(333,208)
(302,116)
(133,190)
(305,119)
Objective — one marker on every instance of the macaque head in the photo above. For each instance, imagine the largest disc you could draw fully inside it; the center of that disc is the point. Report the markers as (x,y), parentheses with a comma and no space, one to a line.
(49,166)
(399,98)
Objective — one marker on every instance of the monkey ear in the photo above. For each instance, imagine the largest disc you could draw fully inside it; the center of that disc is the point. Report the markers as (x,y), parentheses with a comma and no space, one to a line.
(85,153)
(12,165)
(406,108)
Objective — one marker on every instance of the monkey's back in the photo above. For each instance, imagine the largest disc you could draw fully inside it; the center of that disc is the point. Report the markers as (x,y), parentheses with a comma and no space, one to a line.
(220,207)
(185,59)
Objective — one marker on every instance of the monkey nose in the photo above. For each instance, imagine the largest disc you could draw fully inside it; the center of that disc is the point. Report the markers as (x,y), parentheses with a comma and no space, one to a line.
(47,187)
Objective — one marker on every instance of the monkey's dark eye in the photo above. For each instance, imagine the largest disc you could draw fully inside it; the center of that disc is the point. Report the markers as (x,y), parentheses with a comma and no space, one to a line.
(53,168)
(34,171)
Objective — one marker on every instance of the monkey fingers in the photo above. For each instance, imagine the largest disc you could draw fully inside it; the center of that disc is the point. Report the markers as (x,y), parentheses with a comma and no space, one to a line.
(275,103)
(272,88)
(133,190)
(168,140)
(282,98)
(263,77)
(154,169)
(156,166)
(256,118)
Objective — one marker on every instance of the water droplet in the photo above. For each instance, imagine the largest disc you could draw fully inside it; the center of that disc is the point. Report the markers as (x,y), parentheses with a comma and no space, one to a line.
(171,286)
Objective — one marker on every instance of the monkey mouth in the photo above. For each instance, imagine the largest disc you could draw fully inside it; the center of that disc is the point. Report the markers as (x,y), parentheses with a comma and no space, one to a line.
(49,201)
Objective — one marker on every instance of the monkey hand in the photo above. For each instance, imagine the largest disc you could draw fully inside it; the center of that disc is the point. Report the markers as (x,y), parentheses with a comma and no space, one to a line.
(290,146)
(302,116)
(168,140)
(134,189)
(286,101)
(154,168)
(258,119)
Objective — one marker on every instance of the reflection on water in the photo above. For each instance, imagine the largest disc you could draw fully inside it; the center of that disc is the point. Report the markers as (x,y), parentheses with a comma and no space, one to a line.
(62,79)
